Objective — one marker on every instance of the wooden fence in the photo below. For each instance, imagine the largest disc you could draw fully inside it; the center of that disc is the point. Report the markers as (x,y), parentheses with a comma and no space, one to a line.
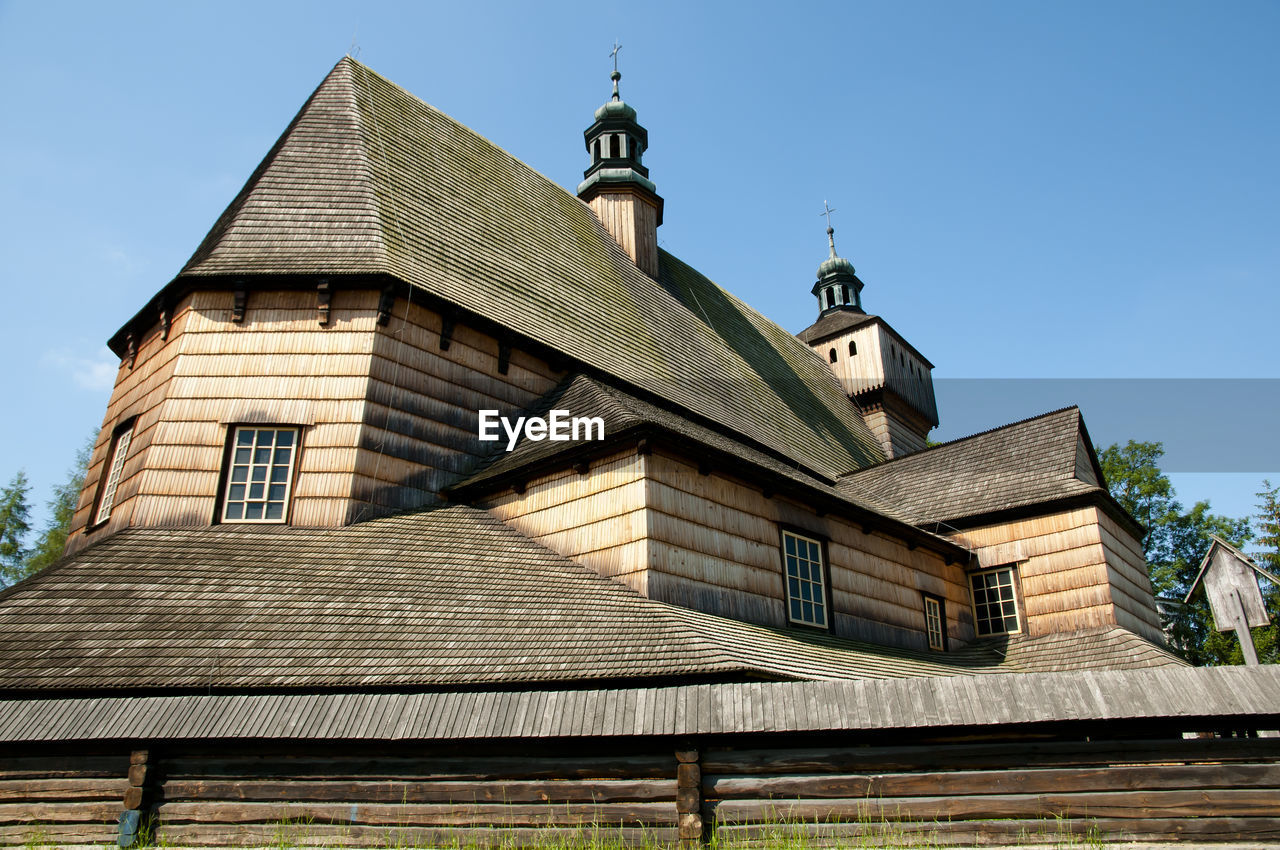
(659,791)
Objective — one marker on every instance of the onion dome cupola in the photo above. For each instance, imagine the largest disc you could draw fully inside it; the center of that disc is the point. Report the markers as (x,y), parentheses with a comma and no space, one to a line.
(837,287)
(616,183)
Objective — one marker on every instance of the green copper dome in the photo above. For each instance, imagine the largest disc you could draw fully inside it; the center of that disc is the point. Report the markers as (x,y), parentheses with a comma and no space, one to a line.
(834,264)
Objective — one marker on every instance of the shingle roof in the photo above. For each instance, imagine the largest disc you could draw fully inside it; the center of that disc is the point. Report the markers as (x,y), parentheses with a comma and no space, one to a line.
(368,179)
(837,321)
(1234,697)
(624,412)
(448,597)
(1025,463)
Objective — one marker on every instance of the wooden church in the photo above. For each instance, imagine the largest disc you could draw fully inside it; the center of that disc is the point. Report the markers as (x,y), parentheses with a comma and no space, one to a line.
(319,584)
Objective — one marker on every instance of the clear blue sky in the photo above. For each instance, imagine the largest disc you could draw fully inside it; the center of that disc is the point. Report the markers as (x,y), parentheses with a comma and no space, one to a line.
(1031,191)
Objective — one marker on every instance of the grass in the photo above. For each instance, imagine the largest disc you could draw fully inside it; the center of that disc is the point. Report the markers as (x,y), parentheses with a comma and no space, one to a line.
(775,833)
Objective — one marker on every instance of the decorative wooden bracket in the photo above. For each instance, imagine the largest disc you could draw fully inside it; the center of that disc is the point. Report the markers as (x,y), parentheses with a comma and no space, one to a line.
(643,446)
(767,492)
(131,349)
(582,467)
(911,545)
(518,487)
(324,294)
(704,468)
(237,306)
(385,304)
(166,319)
(447,323)
(504,357)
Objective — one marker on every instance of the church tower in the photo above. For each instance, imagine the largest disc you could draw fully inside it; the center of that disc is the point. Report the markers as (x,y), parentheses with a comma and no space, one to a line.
(890,380)
(617,185)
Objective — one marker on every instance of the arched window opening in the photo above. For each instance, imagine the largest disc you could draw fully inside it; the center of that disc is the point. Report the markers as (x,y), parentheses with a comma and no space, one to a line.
(845,289)
(853,348)
(597,151)
(832,355)
(614,144)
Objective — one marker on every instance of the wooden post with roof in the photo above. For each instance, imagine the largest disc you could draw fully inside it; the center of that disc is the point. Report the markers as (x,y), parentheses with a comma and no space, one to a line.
(1231,582)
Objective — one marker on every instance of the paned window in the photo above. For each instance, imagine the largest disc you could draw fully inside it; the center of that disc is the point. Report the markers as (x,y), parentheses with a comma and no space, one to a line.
(994,606)
(115,466)
(806,580)
(934,623)
(260,474)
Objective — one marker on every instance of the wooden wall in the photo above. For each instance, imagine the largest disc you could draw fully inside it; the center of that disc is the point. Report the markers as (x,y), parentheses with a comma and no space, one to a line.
(712,543)
(1077,569)
(1054,787)
(632,220)
(388,415)
(420,428)
(715,545)
(598,519)
(64,799)
(883,363)
(1002,793)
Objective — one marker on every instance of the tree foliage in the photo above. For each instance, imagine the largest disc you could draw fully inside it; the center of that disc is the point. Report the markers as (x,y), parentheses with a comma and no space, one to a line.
(18,562)
(1175,544)
(15,522)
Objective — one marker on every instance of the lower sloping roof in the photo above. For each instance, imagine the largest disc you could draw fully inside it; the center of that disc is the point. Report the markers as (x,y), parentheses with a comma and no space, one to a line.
(448,597)
(1025,463)
(1239,697)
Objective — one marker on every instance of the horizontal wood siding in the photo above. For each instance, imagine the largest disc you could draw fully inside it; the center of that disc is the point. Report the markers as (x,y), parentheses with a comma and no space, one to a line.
(1077,569)
(387,416)
(139,392)
(421,426)
(393,800)
(1127,571)
(61,799)
(715,546)
(1023,793)
(597,519)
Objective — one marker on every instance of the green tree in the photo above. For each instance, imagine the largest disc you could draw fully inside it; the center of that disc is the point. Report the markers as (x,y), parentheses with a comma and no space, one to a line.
(53,539)
(1174,545)
(15,522)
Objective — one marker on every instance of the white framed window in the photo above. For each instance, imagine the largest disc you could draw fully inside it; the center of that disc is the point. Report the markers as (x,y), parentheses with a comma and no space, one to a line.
(935,623)
(806,580)
(259,474)
(995,605)
(115,468)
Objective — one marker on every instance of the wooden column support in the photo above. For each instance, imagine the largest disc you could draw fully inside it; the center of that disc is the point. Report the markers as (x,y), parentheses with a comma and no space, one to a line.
(131,349)
(689,796)
(137,798)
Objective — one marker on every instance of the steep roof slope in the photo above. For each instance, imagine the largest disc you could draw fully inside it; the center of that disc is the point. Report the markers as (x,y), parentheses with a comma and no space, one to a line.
(1025,463)
(367,178)
(443,597)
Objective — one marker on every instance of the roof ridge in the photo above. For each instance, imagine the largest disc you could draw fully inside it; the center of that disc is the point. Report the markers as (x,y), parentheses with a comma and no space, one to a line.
(965,438)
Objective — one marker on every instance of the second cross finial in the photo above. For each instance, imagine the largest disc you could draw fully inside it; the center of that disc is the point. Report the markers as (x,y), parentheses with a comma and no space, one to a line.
(827,210)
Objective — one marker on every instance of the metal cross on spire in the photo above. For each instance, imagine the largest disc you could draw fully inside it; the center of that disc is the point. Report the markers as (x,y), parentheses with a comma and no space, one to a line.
(827,210)
(614,53)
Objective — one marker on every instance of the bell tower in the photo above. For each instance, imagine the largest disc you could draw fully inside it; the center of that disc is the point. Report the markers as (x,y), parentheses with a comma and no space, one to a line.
(616,184)
(891,382)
